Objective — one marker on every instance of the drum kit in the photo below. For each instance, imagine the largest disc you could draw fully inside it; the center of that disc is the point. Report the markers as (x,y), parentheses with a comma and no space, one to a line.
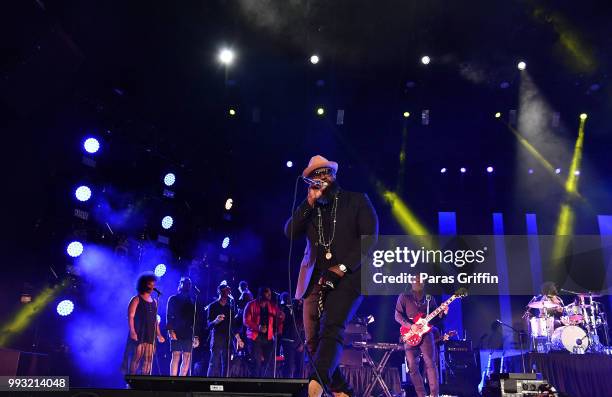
(576,327)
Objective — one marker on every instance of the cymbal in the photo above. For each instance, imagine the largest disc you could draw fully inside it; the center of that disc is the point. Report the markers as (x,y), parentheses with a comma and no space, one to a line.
(585,295)
(543,305)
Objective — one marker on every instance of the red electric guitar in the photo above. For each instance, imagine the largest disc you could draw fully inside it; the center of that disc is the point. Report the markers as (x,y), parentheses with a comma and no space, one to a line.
(414,334)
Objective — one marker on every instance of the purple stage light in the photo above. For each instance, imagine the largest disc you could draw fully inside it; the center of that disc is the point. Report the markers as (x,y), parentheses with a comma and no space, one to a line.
(530,171)
(289,164)
(75,249)
(91,145)
(558,171)
(160,270)
(169,179)
(463,170)
(65,308)
(82,193)
(443,170)
(225,243)
(489,169)
(167,222)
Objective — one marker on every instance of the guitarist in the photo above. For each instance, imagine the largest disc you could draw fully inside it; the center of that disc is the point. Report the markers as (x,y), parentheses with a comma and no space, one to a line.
(406,308)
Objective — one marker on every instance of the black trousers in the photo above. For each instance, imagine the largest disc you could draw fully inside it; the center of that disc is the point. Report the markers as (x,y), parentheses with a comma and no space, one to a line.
(262,354)
(217,366)
(325,335)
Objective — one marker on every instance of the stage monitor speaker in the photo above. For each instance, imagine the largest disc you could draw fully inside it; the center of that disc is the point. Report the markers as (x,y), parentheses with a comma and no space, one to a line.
(514,385)
(234,387)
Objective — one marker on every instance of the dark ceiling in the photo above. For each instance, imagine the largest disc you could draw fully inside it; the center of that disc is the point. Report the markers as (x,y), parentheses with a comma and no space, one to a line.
(144,77)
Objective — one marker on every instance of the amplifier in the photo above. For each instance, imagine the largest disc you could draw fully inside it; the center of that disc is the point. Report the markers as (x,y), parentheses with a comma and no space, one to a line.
(458,346)
(514,385)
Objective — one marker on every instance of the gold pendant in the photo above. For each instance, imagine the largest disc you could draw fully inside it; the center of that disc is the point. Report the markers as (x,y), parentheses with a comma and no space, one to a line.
(328,255)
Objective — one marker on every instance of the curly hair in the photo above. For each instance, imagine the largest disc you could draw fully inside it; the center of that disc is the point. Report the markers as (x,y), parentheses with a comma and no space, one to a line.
(549,288)
(143,280)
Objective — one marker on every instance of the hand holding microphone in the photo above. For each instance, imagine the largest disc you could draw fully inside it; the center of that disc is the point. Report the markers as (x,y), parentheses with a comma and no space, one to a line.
(315,189)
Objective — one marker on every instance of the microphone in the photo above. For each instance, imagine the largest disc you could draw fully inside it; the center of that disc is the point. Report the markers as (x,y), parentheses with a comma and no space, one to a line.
(231,297)
(158,291)
(315,182)
(197,290)
(427,297)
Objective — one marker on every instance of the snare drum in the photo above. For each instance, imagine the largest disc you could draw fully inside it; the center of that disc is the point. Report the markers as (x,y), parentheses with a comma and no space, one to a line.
(574,313)
(542,326)
(570,338)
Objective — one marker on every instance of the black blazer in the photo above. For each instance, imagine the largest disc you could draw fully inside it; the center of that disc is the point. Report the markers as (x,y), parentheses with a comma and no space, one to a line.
(355,217)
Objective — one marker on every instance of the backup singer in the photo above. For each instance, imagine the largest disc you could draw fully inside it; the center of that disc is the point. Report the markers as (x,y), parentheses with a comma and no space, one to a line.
(220,315)
(333,221)
(143,328)
(180,313)
(263,321)
(406,308)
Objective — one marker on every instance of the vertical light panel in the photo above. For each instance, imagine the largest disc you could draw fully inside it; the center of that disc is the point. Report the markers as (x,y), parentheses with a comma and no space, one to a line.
(605,230)
(535,259)
(501,260)
(447,225)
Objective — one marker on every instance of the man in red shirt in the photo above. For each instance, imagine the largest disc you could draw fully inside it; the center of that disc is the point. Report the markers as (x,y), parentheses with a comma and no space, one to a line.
(263,321)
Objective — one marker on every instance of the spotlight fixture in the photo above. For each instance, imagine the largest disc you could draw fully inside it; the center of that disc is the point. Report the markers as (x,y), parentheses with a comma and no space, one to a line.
(167,222)
(91,145)
(462,170)
(226,56)
(443,170)
(577,172)
(225,243)
(583,116)
(530,171)
(75,249)
(314,59)
(65,308)
(498,115)
(425,60)
(558,171)
(169,179)
(489,169)
(406,114)
(229,203)
(289,164)
(320,111)
(82,193)
(521,65)
(160,270)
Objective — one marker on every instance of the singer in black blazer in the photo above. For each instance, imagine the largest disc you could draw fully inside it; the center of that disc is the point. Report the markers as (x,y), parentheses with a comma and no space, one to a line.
(355,220)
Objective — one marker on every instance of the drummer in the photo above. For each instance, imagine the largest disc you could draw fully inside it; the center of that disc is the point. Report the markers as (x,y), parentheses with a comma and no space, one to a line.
(550,294)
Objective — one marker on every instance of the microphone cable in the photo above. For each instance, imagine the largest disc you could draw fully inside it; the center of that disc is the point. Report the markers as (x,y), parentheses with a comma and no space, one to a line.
(297,331)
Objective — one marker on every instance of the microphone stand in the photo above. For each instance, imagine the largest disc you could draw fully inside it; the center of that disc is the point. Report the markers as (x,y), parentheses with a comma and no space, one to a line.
(230,302)
(195,305)
(520,335)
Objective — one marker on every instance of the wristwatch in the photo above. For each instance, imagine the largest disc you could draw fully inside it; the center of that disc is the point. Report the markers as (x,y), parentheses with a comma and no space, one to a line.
(342,268)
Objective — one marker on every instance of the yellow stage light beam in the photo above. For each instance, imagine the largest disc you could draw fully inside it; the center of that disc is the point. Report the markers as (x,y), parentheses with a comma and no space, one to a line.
(542,160)
(400,211)
(28,312)
(571,184)
(580,55)
(567,217)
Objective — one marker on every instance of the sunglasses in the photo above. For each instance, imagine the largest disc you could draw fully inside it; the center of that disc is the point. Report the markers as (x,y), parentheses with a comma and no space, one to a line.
(321,172)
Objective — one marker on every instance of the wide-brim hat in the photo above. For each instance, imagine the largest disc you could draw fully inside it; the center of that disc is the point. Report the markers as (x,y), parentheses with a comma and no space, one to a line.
(319,162)
(223,285)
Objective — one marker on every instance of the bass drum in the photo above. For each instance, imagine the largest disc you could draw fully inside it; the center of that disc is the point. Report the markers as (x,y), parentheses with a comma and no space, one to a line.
(570,338)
